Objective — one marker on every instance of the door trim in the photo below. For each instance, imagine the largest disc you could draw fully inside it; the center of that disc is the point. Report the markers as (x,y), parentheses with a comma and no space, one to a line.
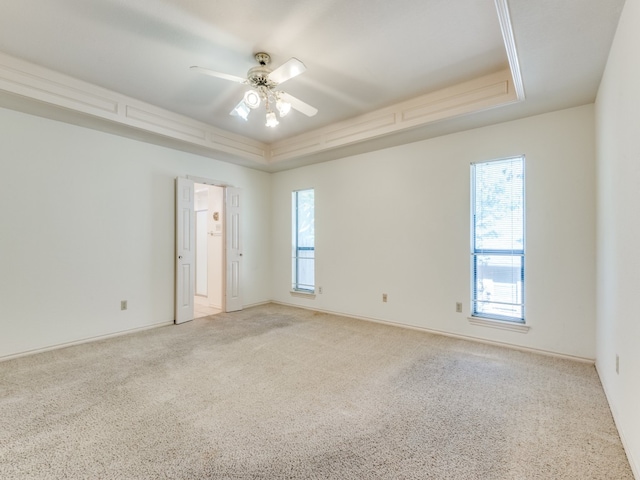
(224,185)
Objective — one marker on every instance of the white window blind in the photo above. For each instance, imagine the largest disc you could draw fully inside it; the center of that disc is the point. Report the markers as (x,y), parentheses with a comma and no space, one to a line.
(303,233)
(497,243)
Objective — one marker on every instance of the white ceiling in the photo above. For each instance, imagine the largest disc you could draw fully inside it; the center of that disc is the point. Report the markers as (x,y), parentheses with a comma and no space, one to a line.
(361,55)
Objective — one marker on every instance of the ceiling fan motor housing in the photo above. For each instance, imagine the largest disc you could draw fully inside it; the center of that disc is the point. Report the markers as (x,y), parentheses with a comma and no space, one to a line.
(259,77)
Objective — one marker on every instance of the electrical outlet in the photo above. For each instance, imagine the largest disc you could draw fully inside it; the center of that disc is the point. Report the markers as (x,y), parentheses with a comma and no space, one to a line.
(123,305)
(617,364)
(459,307)
(320,290)
(384,297)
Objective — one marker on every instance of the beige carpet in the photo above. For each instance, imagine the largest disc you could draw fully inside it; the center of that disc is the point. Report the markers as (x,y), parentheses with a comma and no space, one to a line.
(280,393)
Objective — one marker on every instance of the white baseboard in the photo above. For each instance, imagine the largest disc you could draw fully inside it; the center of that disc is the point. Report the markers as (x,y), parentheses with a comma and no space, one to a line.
(99,337)
(633,462)
(356,317)
(82,341)
(447,334)
(257,304)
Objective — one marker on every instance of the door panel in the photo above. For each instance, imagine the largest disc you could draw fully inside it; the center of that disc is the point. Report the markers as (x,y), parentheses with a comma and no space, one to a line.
(233,206)
(185,250)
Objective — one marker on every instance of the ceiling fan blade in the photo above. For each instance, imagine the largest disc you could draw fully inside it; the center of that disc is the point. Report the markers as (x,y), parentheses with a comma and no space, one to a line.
(299,105)
(289,69)
(224,76)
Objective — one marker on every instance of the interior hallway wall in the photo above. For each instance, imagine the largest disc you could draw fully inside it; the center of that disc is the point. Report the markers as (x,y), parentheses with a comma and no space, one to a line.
(201,205)
(215,246)
(87,220)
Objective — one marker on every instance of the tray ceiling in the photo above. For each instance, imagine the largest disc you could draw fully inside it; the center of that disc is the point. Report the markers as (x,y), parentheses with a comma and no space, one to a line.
(361,56)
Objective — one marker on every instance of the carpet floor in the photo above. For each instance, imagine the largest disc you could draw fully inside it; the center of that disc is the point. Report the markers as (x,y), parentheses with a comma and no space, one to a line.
(275,392)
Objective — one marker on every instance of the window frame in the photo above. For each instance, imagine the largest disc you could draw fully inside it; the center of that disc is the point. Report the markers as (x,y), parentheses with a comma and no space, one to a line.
(296,285)
(510,252)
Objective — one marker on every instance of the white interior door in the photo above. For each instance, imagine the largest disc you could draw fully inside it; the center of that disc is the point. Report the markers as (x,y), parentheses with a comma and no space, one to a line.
(233,297)
(185,250)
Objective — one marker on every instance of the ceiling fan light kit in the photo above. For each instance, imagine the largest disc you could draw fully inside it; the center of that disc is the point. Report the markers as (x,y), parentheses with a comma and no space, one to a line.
(251,99)
(264,82)
(283,107)
(272,121)
(242,111)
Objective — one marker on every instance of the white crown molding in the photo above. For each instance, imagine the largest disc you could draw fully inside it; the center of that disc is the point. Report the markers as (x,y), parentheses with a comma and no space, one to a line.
(28,80)
(475,95)
(34,82)
(510,45)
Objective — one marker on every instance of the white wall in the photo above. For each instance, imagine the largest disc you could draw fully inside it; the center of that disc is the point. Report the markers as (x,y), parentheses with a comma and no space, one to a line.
(87,220)
(397,221)
(618,151)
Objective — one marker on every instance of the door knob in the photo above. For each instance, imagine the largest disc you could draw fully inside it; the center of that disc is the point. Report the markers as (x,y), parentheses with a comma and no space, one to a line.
(179,257)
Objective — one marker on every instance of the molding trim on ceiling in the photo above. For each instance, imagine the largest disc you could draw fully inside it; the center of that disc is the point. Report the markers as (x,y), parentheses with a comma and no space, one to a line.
(473,96)
(51,88)
(510,45)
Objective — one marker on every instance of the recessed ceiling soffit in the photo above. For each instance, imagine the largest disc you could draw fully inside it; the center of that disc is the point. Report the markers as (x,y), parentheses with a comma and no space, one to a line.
(25,79)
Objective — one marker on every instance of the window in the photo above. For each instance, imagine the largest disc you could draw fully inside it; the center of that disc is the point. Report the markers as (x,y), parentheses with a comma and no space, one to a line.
(303,264)
(497,239)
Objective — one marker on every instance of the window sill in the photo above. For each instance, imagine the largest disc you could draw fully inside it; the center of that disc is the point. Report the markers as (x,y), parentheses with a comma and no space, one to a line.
(298,293)
(501,324)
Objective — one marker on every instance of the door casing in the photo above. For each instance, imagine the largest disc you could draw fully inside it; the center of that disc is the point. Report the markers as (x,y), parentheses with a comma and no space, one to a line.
(185,247)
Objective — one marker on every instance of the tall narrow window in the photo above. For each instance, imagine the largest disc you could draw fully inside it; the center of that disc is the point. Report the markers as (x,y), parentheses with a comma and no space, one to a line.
(497,239)
(303,265)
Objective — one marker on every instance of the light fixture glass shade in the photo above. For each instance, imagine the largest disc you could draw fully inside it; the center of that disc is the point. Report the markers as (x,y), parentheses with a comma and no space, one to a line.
(272,121)
(242,110)
(252,99)
(283,107)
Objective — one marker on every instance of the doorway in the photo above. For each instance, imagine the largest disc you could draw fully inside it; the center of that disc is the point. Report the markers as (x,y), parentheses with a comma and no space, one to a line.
(209,261)
(228,222)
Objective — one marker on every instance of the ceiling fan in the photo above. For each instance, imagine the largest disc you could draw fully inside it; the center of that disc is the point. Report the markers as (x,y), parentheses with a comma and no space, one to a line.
(263,83)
